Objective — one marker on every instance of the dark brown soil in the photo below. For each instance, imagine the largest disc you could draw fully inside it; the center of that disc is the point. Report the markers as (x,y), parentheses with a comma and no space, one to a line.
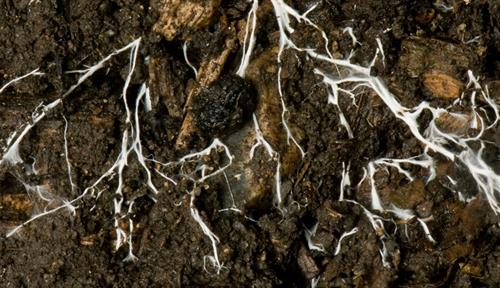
(263,246)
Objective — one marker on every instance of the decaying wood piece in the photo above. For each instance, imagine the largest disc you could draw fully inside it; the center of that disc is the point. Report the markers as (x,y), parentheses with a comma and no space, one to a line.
(181,17)
(178,20)
(209,71)
(165,87)
(458,124)
(442,85)
(306,263)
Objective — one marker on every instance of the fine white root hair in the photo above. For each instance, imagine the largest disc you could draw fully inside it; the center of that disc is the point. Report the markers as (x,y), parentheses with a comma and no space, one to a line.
(274,155)
(11,151)
(66,156)
(249,40)
(309,233)
(315,281)
(184,52)
(214,259)
(32,73)
(283,12)
(130,143)
(342,237)
(351,34)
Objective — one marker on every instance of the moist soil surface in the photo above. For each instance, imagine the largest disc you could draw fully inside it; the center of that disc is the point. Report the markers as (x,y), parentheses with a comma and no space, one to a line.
(262,242)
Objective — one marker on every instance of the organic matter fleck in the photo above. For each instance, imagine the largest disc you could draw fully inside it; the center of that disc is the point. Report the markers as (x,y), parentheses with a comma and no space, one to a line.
(225,105)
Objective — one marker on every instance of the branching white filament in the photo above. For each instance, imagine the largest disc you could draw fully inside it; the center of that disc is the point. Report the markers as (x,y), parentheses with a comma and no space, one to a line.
(381,48)
(310,233)
(11,152)
(184,51)
(283,12)
(34,72)
(248,43)
(214,259)
(407,215)
(346,180)
(259,137)
(315,281)
(378,226)
(274,155)
(130,143)
(351,34)
(344,235)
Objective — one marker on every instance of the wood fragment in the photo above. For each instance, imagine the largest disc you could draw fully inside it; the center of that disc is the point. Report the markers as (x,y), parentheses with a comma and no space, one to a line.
(442,85)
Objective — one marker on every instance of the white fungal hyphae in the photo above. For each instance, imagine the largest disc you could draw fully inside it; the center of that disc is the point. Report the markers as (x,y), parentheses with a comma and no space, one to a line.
(346,180)
(377,224)
(348,30)
(66,156)
(201,173)
(341,77)
(315,281)
(342,237)
(233,203)
(214,259)
(424,161)
(407,215)
(249,40)
(131,142)
(283,12)
(261,141)
(184,51)
(310,244)
(433,138)
(274,155)
(17,79)
(11,152)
